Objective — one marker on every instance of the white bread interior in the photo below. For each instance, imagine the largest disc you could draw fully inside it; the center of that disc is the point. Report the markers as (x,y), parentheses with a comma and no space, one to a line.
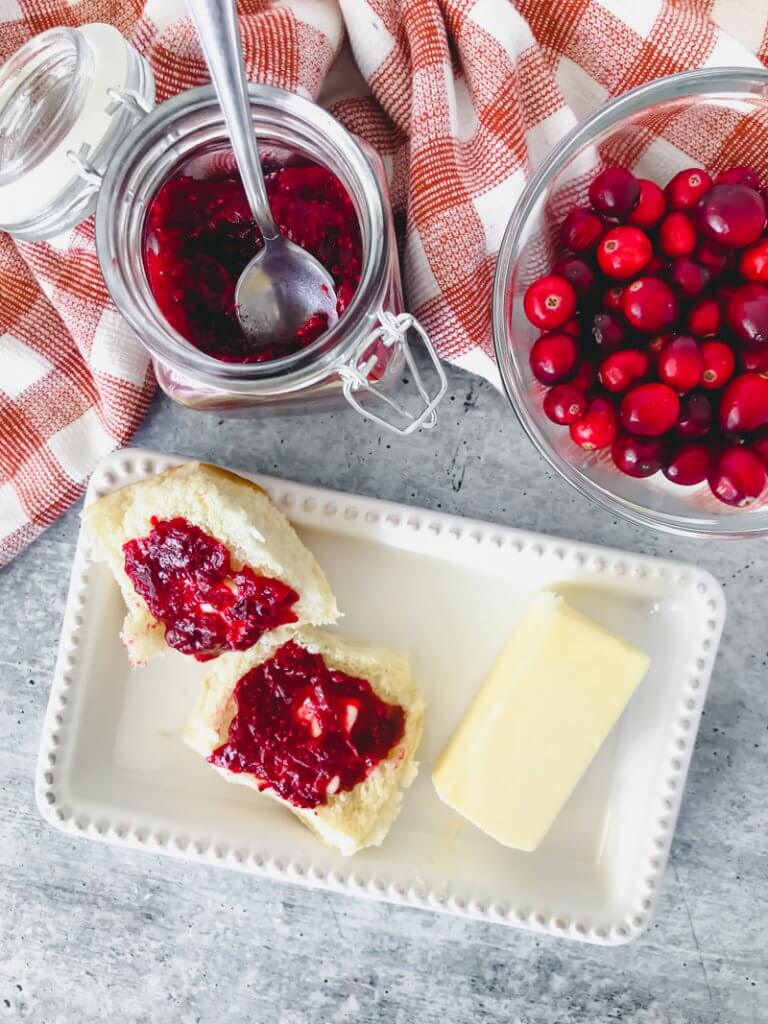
(358,817)
(237,512)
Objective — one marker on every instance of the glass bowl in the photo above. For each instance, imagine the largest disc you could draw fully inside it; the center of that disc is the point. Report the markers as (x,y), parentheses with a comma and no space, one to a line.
(711,118)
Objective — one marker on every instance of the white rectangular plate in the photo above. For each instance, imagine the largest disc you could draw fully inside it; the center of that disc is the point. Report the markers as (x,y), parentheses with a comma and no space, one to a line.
(448,591)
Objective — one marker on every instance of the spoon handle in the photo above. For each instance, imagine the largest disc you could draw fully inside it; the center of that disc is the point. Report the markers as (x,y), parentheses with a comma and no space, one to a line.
(217,29)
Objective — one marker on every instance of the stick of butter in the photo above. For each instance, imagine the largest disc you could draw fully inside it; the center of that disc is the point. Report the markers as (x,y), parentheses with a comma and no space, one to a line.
(540,717)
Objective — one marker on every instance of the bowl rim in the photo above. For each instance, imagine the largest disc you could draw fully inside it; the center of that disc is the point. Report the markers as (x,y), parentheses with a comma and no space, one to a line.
(669,87)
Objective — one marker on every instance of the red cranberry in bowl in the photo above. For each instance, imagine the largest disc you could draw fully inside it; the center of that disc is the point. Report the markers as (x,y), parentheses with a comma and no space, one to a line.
(696,415)
(689,464)
(718,364)
(584,378)
(598,427)
(732,215)
(614,192)
(550,302)
(704,318)
(651,205)
(744,403)
(677,235)
(712,256)
(577,272)
(623,252)
(738,477)
(739,176)
(680,363)
(687,277)
(612,299)
(754,357)
(620,370)
(554,358)
(637,456)
(687,187)
(649,410)
(572,327)
(753,263)
(608,332)
(565,404)
(759,444)
(581,230)
(649,305)
(747,313)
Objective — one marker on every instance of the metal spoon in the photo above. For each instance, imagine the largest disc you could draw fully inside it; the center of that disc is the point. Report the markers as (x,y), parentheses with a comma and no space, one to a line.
(283,285)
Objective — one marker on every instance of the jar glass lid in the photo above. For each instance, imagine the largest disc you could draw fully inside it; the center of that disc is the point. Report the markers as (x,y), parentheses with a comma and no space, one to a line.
(67,98)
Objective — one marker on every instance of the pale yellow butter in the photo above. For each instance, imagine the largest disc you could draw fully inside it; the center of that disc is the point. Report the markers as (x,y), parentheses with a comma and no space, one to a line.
(540,717)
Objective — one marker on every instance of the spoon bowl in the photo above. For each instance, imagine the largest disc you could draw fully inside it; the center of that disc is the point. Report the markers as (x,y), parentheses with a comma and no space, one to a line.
(282,288)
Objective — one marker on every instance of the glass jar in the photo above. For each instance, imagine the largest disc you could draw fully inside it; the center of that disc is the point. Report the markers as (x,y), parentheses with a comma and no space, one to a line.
(118,154)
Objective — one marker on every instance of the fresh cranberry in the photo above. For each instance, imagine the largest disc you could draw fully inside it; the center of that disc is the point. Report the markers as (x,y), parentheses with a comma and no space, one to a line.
(608,332)
(656,266)
(695,419)
(651,206)
(747,313)
(571,327)
(565,404)
(754,357)
(738,477)
(689,464)
(612,299)
(598,427)
(744,404)
(649,305)
(704,318)
(582,229)
(577,271)
(739,176)
(637,456)
(733,215)
(584,378)
(718,364)
(680,363)
(656,344)
(619,371)
(549,302)
(554,358)
(677,235)
(614,192)
(753,263)
(623,252)
(687,187)
(649,410)
(687,277)
(759,444)
(712,256)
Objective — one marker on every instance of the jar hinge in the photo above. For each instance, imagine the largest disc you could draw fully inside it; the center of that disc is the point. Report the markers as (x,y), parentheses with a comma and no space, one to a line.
(393,330)
(127,99)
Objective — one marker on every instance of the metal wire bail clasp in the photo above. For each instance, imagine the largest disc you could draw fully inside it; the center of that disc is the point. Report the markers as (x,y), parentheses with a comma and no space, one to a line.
(393,331)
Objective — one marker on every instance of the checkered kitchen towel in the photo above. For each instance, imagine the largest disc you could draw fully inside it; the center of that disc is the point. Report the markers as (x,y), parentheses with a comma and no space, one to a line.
(461,97)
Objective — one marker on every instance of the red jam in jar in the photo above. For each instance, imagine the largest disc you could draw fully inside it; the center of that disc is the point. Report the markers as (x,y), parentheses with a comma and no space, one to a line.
(189,584)
(305,730)
(200,236)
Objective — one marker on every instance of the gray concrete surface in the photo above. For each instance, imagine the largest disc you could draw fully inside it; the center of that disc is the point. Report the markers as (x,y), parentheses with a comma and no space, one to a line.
(90,933)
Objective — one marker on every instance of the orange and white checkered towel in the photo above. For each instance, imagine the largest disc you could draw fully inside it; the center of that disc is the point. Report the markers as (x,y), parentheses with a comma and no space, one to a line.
(461,97)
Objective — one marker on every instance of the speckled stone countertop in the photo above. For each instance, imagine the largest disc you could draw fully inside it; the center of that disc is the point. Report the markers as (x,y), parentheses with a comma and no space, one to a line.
(91,933)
